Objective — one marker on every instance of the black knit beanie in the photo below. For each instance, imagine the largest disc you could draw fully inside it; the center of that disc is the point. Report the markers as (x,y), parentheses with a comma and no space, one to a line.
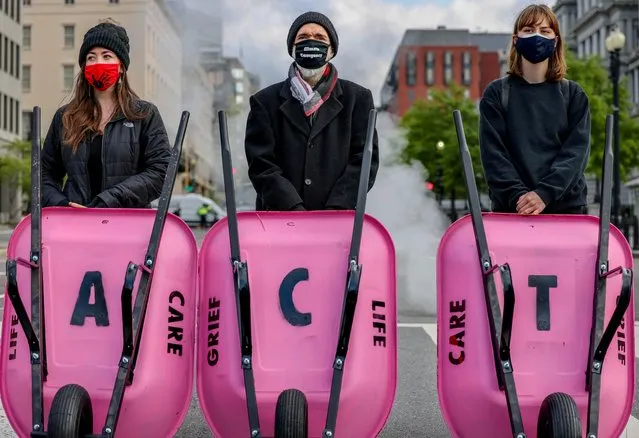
(312,17)
(110,36)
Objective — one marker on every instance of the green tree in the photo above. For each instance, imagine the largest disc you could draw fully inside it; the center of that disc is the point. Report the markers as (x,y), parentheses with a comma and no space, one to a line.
(15,164)
(591,74)
(429,122)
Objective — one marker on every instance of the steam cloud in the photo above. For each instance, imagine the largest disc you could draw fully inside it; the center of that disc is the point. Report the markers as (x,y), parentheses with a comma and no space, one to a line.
(413,219)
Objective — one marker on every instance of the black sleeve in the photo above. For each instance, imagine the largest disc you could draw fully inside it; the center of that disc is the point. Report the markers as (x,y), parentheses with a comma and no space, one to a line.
(276,192)
(343,195)
(572,159)
(53,170)
(501,176)
(139,190)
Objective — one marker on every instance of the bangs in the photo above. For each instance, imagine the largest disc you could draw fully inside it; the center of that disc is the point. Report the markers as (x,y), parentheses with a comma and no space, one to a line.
(534,15)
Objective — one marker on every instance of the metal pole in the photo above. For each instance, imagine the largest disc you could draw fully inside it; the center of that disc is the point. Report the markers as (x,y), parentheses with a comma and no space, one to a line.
(453,207)
(439,189)
(614,73)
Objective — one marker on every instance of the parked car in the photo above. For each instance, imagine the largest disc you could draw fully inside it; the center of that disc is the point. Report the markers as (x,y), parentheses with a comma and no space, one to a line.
(186,206)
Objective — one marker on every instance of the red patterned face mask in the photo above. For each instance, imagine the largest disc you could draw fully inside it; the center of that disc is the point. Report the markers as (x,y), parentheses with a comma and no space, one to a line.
(102,76)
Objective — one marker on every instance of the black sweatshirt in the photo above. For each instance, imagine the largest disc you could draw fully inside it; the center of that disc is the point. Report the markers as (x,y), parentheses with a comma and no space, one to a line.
(541,145)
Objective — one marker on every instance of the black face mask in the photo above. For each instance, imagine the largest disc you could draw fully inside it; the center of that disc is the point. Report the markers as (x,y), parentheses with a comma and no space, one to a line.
(535,48)
(311,54)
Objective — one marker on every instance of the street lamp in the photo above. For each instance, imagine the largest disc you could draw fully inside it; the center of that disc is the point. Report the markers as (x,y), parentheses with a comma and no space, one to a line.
(614,43)
(453,209)
(438,178)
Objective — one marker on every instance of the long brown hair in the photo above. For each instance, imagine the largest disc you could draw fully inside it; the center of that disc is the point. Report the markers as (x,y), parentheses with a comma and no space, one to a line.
(530,16)
(83,114)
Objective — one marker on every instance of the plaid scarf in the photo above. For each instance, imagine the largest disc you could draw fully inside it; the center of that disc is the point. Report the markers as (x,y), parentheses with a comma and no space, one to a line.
(312,99)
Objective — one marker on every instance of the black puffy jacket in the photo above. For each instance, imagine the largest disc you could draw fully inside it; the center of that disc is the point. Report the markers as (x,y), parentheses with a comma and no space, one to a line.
(135,158)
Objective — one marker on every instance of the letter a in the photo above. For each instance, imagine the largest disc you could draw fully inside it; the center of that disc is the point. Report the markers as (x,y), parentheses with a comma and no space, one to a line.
(82,307)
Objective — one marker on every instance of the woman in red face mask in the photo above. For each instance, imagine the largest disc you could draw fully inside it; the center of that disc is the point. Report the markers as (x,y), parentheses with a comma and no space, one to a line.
(111,145)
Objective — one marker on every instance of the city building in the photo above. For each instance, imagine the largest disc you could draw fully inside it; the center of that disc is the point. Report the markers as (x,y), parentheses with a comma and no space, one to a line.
(10,102)
(233,86)
(212,82)
(433,58)
(52,36)
(198,166)
(585,24)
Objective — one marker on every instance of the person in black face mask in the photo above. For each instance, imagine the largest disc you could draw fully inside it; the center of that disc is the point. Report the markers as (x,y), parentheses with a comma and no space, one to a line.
(305,135)
(535,125)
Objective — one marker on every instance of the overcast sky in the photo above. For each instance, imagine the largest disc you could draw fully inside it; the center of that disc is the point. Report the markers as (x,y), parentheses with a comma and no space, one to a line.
(369,30)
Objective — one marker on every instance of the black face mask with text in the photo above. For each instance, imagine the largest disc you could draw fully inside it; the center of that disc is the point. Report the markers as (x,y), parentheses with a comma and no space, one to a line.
(311,54)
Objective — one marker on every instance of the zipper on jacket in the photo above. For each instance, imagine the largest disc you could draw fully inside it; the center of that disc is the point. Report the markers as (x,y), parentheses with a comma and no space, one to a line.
(102,158)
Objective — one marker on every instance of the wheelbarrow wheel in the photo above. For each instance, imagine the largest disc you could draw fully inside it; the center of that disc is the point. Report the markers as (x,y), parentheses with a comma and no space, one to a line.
(291,415)
(559,417)
(71,414)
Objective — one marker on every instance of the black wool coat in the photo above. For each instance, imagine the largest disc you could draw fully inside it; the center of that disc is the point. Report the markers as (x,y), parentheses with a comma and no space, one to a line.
(294,163)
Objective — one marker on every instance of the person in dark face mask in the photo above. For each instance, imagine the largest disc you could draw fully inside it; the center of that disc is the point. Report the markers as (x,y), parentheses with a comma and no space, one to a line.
(111,145)
(305,135)
(535,125)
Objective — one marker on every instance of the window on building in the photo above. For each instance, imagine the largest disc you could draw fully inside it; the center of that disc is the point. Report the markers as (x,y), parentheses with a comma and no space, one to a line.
(411,68)
(6,7)
(430,68)
(467,70)
(6,55)
(17,68)
(12,58)
(69,36)
(5,112)
(69,2)
(11,119)
(16,116)
(448,68)
(26,2)
(12,8)
(18,19)
(27,120)
(26,37)
(113,2)
(26,78)
(67,77)
(1,52)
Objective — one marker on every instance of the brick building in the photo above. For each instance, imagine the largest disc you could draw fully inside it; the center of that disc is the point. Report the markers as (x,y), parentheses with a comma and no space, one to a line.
(433,58)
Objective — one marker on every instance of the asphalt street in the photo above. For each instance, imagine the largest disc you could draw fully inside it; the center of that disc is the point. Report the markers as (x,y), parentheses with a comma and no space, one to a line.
(416,412)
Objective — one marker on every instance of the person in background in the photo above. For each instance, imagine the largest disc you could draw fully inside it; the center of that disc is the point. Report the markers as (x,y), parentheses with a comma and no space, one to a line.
(534,133)
(202,212)
(305,135)
(111,146)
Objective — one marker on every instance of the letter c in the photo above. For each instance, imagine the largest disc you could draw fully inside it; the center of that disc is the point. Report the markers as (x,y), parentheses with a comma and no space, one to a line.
(290,312)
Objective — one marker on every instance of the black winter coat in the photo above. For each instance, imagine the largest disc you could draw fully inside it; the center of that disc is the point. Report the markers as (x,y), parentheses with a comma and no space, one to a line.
(135,157)
(293,163)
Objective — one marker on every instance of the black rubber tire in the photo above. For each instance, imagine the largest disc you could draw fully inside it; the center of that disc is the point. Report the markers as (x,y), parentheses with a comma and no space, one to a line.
(71,414)
(558,417)
(291,415)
